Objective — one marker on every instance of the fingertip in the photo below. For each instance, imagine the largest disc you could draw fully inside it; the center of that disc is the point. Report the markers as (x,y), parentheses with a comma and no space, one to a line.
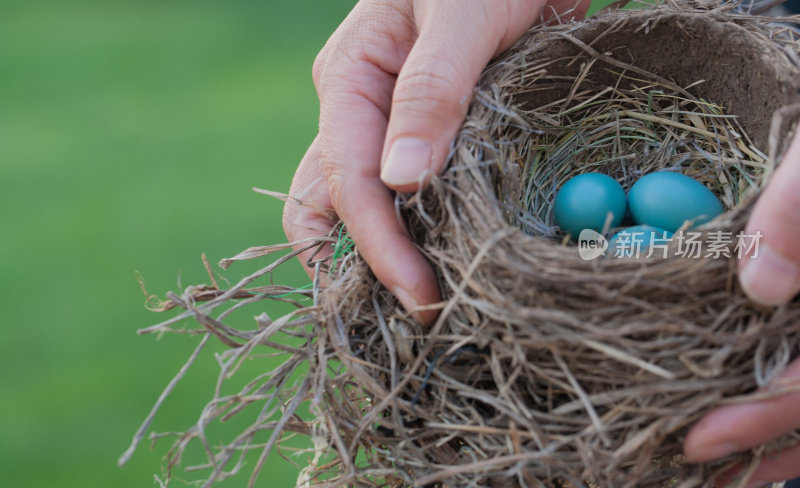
(418,302)
(408,164)
(770,272)
(368,210)
(432,94)
(691,447)
(712,437)
(405,272)
(402,269)
(700,453)
(769,278)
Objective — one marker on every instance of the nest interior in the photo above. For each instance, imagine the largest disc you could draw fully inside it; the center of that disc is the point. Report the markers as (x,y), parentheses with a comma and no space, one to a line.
(748,78)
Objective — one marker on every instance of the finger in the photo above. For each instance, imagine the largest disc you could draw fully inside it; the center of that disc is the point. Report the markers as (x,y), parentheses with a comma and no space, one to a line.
(777,466)
(355,94)
(780,465)
(728,477)
(309,213)
(771,274)
(366,205)
(734,428)
(436,83)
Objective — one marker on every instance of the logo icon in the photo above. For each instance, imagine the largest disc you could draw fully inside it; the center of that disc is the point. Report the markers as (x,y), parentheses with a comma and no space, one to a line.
(591,244)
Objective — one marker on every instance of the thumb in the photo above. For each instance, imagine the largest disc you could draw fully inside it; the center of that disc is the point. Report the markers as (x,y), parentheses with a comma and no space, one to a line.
(435,85)
(771,274)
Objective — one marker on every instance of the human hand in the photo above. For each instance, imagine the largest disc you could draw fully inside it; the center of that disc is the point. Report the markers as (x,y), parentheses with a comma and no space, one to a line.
(394,83)
(771,278)
(734,428)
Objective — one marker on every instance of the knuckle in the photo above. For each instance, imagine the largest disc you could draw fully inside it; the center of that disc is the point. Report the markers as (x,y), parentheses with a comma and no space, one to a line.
(428,90)
(338,65)
(318,67)
(289,219)
(292,213)
(335,177)
(305,213)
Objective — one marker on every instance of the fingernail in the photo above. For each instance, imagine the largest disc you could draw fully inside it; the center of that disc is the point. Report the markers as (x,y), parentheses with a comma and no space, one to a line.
(708,452)
(407,160)
(769,278)
(405,298)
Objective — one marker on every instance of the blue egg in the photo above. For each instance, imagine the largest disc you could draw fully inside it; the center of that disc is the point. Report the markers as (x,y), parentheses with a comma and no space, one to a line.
(585,201)
(667,200)
(632,242)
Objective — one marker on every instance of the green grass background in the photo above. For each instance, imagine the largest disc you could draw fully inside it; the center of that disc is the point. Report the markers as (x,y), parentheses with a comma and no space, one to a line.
(131,133)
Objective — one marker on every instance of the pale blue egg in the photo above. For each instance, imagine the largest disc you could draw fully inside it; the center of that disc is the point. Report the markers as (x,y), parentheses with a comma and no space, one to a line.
(667,200)
(633,242)
(585,201)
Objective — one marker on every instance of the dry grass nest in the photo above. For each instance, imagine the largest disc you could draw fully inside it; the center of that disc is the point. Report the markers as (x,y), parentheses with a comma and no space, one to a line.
(543,369)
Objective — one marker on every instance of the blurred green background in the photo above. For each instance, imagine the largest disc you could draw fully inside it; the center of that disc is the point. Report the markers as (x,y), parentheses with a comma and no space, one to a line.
(131,133)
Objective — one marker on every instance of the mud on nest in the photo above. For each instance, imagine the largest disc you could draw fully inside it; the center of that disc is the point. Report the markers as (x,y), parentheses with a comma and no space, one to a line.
(542,369)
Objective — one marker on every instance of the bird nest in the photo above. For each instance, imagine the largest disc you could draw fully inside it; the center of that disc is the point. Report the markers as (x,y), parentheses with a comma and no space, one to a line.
(543,369)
